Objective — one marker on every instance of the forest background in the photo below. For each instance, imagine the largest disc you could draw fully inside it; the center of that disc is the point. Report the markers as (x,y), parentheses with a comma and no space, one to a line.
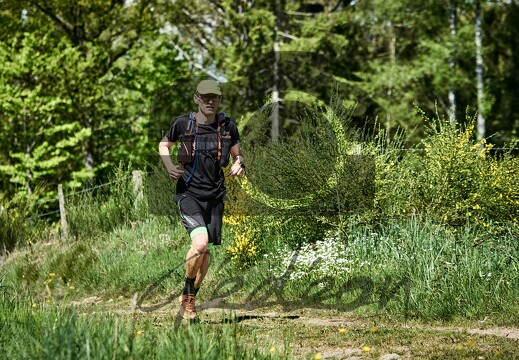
(380,140)
(85,85)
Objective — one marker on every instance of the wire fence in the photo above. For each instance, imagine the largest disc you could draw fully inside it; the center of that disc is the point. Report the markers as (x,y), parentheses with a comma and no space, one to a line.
(90,189)
(82,191)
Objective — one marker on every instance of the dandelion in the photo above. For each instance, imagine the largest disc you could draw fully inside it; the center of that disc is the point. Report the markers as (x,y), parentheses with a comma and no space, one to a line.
(33,305)
(373,329)
(343,331)
(272,350)
(48,301)
(470,343)
(366,348)
(52,274)
(318,356)
(238,334)
(459,347)
(138,332)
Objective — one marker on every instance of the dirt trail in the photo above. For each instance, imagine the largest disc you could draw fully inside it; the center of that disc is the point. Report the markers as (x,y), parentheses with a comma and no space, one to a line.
(511,333)
(321,325)
(212,311)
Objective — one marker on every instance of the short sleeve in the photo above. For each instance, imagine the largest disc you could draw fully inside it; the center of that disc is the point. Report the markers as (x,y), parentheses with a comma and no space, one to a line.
(175,130)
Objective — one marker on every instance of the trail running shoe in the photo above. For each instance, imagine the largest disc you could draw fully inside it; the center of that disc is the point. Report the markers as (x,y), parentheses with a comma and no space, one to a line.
(187,307)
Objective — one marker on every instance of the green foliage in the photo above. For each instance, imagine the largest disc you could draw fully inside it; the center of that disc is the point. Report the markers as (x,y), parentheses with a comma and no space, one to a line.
(18,224)
(456,180)
(102,210)
(76,103)
(161,191)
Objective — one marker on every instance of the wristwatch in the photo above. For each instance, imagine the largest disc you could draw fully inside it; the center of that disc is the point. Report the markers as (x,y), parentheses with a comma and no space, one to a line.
(242,165)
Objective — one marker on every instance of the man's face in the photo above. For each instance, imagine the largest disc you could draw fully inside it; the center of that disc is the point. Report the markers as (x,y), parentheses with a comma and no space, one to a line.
(208,103)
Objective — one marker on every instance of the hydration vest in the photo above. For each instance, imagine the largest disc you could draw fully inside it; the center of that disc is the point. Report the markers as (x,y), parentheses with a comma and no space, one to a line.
(190,142)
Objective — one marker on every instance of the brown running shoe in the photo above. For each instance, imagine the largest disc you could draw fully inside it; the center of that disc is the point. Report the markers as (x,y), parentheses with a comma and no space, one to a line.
(187,307)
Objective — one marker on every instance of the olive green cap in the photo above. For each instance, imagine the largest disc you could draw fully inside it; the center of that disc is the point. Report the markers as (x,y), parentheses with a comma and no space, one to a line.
(208,87)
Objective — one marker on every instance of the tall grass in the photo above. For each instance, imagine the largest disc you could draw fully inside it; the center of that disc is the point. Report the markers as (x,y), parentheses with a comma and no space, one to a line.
(50,332)
(19,225)
(94,212)
(410,269)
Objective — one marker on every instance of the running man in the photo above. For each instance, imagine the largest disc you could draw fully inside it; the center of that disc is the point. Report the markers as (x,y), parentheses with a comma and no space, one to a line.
(207,140)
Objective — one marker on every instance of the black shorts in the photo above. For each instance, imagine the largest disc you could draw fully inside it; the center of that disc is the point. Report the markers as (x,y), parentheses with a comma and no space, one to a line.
(201,216)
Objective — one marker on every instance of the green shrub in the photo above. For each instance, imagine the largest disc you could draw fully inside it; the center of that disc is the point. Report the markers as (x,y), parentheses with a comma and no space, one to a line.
(456,179)
(18,225)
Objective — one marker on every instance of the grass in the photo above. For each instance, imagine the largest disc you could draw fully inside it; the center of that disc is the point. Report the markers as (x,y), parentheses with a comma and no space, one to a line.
(47,331)
(448,284)
(99,332)
(413,272)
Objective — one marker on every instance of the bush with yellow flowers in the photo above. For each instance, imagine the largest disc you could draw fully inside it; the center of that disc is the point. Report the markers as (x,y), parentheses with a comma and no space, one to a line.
(243,249)
(456,179)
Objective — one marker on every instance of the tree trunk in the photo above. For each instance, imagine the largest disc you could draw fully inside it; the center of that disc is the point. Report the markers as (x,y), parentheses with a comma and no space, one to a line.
(452,62)
(479,73)
(28,151)
(88,153)
(274,132)
(392,58)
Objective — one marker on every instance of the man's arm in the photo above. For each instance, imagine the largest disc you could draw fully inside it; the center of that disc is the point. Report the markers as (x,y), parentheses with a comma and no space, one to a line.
(164,147)
(238,166)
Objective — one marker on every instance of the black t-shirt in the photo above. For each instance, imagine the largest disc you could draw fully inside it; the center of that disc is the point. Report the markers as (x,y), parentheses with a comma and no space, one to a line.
(207,179)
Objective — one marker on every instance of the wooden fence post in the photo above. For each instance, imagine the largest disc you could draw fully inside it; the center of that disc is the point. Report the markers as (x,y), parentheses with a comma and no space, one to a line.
(137,187)
(62,212)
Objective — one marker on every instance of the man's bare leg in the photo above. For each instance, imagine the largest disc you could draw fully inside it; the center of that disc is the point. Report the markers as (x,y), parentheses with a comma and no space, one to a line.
(202,271)
(194,261)
(196,254)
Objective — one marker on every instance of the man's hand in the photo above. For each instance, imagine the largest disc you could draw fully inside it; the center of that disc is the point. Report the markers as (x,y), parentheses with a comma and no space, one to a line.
(237,169)
(175,173)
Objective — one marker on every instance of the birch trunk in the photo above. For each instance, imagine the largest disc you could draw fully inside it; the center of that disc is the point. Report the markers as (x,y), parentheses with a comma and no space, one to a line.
(274,132)
(479,73)
(452,62)
(392,57)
